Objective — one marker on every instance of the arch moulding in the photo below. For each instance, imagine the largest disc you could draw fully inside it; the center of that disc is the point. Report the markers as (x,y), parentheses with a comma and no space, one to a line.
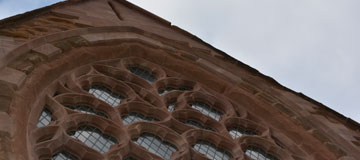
(73,52)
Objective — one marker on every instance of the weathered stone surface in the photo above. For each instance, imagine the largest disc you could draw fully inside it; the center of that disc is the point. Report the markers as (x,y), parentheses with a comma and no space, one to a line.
(6,124)
(98,41)
(48,50)
(12,76)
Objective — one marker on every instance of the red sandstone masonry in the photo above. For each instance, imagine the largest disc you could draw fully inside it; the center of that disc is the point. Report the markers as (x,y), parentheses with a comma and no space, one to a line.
(305,129)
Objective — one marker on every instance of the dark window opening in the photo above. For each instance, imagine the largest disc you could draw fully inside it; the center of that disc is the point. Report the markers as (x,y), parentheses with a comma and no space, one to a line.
(142,72)
(45,118)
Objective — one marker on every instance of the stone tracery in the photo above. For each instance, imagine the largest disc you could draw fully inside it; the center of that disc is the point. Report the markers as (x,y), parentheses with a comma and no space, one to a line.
(113,73)
(56,70)
(137,105)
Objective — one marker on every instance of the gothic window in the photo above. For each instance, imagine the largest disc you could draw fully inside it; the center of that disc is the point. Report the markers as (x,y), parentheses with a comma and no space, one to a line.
(209,150)
(86,109)
(237,132)
(206,110)
(256,153)
(63,155)
(136,117)
(155,145)
(197,125)
(105,95)
(143,73)
(199,111)
(93,138)
(45,118)
(171,106)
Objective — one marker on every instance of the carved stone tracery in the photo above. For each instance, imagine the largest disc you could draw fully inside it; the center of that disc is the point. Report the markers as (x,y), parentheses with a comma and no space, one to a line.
(67,81)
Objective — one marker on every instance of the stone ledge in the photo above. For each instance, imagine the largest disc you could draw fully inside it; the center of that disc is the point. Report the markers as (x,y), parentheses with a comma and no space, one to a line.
(12,76)
(211,67)
(108,37)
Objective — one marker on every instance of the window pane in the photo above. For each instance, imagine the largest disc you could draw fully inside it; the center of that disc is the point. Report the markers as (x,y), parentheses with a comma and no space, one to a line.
(168,89)
(155,145)
(106,95)
(86,109)
(136,117)
(45,118)
(258,154)
(238,132)
(63,155)
(209,150)
(207,110)
(171,106)
(143,73)
(93,138)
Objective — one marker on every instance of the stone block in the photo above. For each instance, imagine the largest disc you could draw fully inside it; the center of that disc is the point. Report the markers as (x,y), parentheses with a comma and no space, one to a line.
(6,123)
(48,50)
(12,76)
(211,67)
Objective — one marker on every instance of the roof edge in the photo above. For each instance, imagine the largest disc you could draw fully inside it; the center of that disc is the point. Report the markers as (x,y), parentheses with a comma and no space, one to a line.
(33,13)
(346,120)
(24,16)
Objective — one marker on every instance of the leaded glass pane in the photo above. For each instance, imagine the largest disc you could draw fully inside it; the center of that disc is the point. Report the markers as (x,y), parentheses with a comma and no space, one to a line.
(171,106)
(45,118)
(197,125)
(86,109)
(105,95)
(209,150)
(136,117)
(238,132)
(256,153)
(155,145)
(93,138)
(168,89)
(63,155)
(143,73)
(207,110)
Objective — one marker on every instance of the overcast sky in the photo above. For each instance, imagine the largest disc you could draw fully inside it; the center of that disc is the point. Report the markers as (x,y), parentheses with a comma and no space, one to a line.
(310,46)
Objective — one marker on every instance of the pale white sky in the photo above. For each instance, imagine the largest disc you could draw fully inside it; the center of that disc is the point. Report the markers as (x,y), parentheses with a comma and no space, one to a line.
(310,46)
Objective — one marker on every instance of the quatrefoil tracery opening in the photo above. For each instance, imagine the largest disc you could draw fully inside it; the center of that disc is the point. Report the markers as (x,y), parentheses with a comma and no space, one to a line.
(103,93)
(93,138)
(136,117)
(63,155)
(257,153)
(237,132)
(207,110)
(155,145)
(211,151)
(171,106)
(83,108)
(142,72)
